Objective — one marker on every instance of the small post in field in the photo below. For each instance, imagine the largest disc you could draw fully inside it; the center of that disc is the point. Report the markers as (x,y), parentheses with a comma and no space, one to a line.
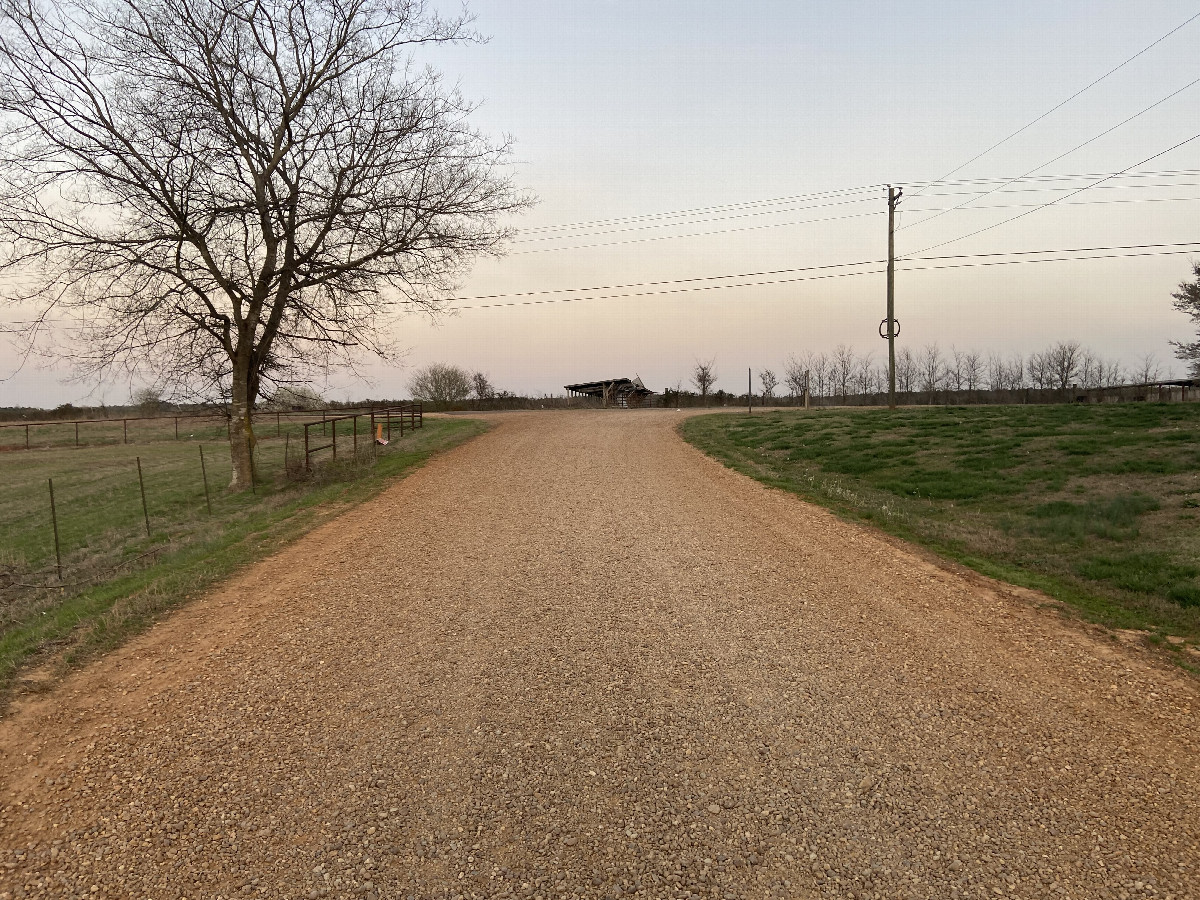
(26,436)
(177,428)
(749,392)
(54,522)
(204,475)
(76,434)
(142,485)
(277,425)
(286,439)
(125,430)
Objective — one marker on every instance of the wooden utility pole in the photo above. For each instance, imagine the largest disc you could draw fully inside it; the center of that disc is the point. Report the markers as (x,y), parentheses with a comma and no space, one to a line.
(894,195)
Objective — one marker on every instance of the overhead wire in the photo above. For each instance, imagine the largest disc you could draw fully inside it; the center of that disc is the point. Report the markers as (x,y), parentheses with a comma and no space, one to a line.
(1059,106)
(1051,162)
(1058,200)
(689,285)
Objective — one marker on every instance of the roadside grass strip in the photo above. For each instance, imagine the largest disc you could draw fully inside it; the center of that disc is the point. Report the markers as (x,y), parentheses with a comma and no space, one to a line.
(1096,505)
(116,579)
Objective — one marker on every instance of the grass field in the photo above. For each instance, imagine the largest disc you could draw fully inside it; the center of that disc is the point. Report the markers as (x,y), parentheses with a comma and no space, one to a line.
(1096,505)
(115,577)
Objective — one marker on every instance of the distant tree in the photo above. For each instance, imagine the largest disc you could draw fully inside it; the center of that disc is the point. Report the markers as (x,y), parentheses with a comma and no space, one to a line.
(1014,372)
(1187,301)
(769,383)
(841,370)
(1041,369)
(796,373)
(931,370)
(955,375)
(1148,369)
(865,374)
(1065,359)
(995,372)
(295,396)
(704,376)
(973,370)
(441,383)
(820,374)
(149,401)
(482,387)
(906,370)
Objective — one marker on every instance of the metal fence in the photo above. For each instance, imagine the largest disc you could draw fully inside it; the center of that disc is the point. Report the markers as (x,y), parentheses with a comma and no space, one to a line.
(380,423)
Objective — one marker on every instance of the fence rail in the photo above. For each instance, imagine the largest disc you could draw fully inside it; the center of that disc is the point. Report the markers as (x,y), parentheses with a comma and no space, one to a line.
(379,430)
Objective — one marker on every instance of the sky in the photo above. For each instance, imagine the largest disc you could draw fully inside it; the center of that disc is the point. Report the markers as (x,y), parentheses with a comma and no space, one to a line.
(707,116)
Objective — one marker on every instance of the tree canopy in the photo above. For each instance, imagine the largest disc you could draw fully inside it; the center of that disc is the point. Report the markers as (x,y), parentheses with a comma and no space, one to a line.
(221,194)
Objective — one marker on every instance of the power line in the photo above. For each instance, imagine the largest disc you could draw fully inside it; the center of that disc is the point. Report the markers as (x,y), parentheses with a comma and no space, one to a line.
(661,220)
(823,220)
(700,210)
(1055,109)
(1061,155)
(988,259)
(776,212)
(1058,200)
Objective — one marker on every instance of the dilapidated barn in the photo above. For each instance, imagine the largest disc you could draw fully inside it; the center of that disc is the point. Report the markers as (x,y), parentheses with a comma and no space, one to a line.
(624,392)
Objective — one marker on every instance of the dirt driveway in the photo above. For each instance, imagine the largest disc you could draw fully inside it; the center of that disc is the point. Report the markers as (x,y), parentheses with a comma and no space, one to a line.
(576,658)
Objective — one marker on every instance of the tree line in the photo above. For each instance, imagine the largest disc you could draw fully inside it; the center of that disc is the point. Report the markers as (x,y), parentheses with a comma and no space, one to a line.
(844,372)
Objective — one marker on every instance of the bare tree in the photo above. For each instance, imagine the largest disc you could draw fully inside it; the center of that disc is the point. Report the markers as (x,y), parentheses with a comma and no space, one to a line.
(1065,359)
(1187,301)
(973,370)
(865,374)
(704,376)
(1041,369)
(1014,372)
(820,373)
(295,396)
(932,370)
(148,400)
(482,387)
(1148,369)
(218,194)
(769,382)
(796,373)
(906,370)
(955,374)
(841,369)
(441,383)
(996,374)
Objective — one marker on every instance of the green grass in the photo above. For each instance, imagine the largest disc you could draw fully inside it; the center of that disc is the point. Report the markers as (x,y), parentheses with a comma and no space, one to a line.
(117,579)
(1091,504)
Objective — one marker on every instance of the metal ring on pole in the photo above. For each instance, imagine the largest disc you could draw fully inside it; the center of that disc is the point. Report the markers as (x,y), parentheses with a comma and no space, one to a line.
(883,324)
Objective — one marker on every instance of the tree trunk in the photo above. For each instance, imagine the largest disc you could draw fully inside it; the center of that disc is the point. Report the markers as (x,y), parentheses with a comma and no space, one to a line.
(241,431)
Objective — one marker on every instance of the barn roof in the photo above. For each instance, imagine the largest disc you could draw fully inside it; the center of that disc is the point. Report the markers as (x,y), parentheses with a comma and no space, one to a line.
(616,385)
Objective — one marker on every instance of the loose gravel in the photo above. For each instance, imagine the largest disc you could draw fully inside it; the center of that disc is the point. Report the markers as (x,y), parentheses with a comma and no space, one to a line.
(575,658)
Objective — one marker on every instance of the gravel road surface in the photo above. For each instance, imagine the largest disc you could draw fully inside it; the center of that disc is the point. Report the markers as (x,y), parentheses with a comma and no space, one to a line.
(576,658)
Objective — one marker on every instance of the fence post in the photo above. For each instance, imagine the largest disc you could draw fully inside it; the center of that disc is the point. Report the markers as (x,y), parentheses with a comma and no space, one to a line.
(76,434)
(306,424)
(354,422)
(333,431)
(125,428)
(277,425)
(54,522)
(142,485)
(26,435)
(204,475)
(177,428)
(286,439)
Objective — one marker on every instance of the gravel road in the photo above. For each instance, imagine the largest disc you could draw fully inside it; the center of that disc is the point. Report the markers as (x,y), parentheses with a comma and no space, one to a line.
(576,658)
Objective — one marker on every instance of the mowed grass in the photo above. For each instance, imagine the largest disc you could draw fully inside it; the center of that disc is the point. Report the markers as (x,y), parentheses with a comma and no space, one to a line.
(1097,505)
(116,579)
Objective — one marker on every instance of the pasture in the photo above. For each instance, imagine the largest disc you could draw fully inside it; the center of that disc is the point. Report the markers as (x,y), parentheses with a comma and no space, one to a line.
(117,573)
(1097,505)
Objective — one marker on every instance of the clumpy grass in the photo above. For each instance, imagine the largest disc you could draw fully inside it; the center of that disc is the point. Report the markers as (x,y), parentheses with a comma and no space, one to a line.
(1090,504)
(116,578)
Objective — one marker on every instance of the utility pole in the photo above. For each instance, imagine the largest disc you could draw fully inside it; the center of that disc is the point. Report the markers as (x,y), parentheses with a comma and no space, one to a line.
(894,195)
